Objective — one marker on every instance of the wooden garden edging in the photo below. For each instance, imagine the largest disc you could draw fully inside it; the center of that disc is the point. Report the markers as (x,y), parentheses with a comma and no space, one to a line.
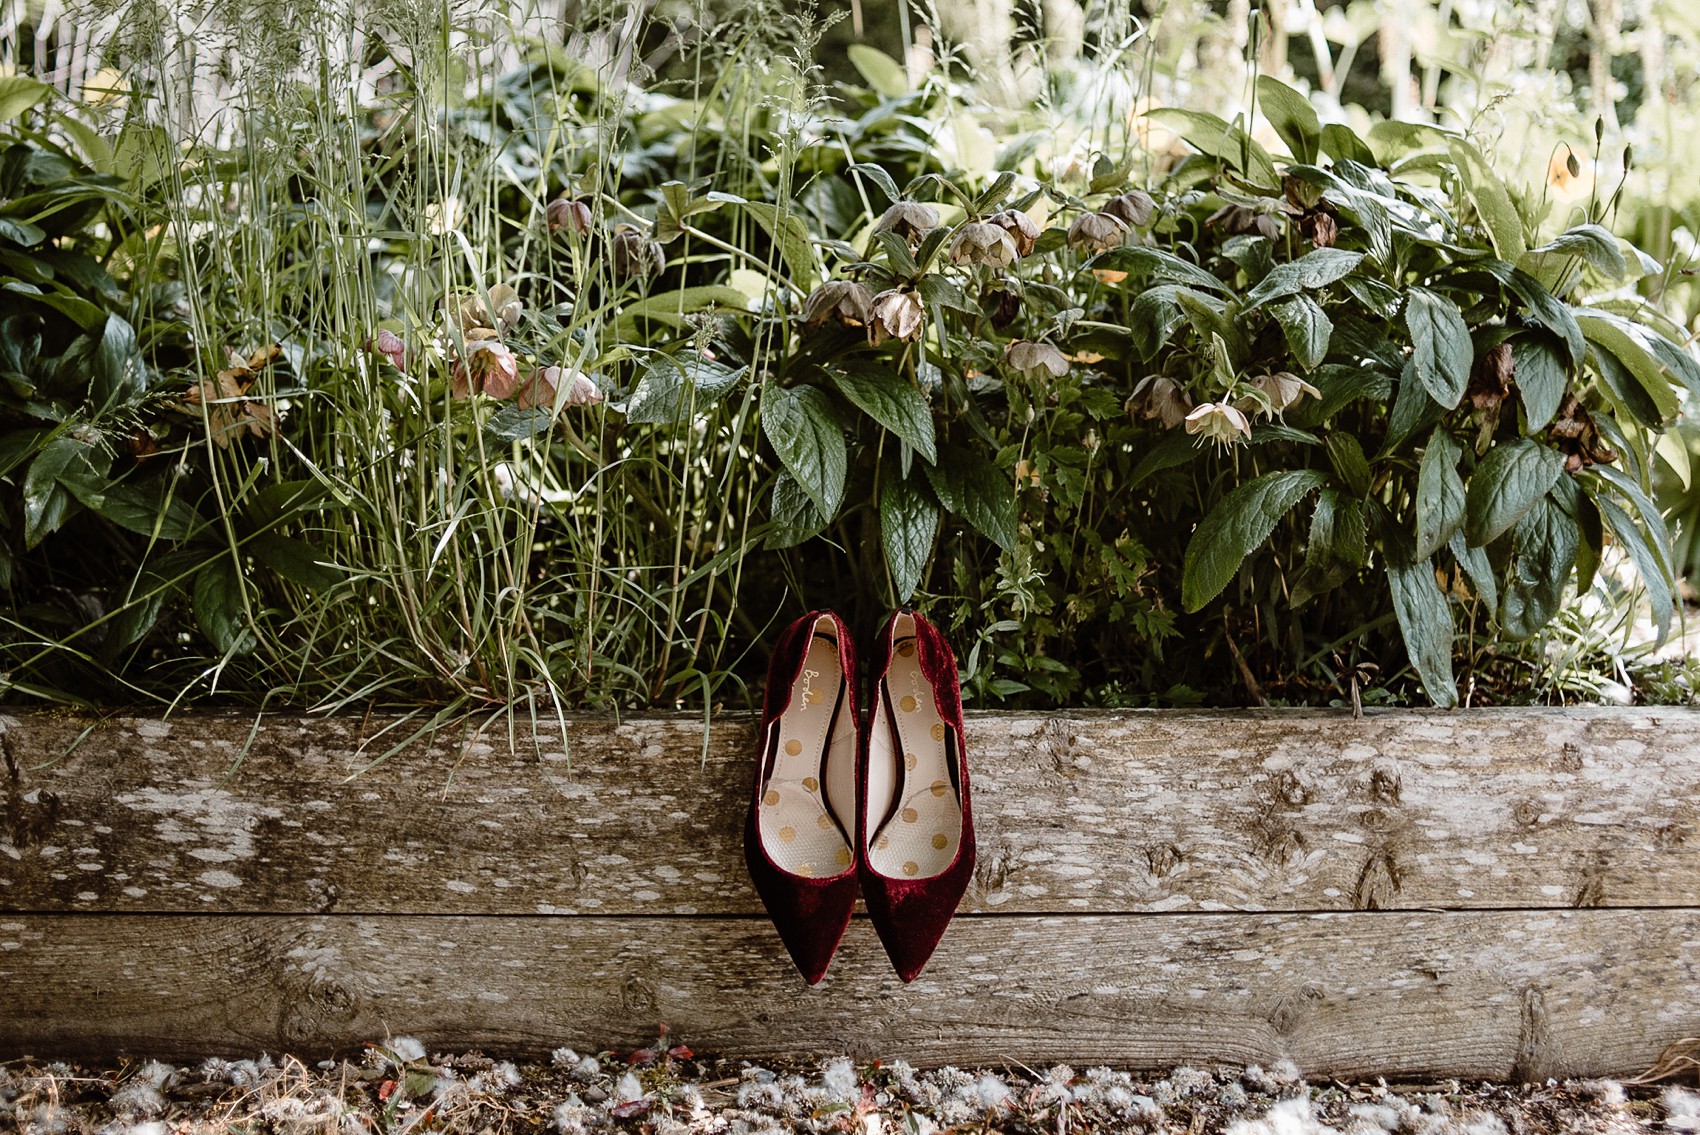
(1489,893)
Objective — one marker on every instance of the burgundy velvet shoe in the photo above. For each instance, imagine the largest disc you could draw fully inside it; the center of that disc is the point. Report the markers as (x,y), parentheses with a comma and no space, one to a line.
(915,833)
(797,838)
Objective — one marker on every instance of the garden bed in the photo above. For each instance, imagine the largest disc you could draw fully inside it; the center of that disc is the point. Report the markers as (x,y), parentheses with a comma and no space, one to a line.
(1490,893)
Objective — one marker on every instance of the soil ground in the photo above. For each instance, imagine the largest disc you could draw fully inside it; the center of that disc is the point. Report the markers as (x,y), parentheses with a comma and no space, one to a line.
(667,1090)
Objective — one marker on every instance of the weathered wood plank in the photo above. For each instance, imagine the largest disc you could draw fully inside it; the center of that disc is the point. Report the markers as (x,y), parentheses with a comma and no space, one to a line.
(1077,812)
(1488,994)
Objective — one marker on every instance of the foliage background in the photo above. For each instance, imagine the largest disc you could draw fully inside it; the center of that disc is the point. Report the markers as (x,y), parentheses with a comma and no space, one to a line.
(387,543)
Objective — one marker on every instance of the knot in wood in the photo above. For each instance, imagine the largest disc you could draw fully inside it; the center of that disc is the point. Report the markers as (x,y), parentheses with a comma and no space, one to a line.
(1669,837)
(30,816)
(1378,882)
(1526,813)
(1162,859)
(1570,757)
(1294,788)
(638,996)
(1384,783)
(991,873)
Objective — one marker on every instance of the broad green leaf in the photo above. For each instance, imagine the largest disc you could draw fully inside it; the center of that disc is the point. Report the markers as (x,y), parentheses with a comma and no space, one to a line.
(218,607)
(22,233)
(1340,143)
(1590,242)
(1626,390)
(1413,410)
(1221,140)
(1236,527)
(1492,200)
(1543,307)
(978,491)
(118,374)
(1307,328)
(1544,546)
(1145,263)
(672,307)
(804,432)
(295,560)
(909,521)
(1651,516)
(1440,494)
(787,229)
(1660,592)
(1336,547)
(883,73)
(1315,269)
(674,385)
(795,517)
(1627,344)
(144,508)
(879,177)
(511,423)
(888,399)
(1541,378)
(1175,448)
(47,503)
(1507,482)
(1478,567)
(18,93)
(1292,116)
(1676,358)
(1153,317)
(1440,344)
(1350,465)
(1425,617)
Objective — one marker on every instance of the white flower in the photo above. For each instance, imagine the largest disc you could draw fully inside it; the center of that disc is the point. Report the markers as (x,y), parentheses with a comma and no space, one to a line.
(1219,422)
(1283,389)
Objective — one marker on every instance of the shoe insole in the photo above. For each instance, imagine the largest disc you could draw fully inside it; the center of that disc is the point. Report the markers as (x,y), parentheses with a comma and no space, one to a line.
(816,742)
(921,835)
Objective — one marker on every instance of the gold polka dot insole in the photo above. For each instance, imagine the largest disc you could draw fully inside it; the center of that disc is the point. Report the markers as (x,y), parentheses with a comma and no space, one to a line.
(792,818)
(921,838)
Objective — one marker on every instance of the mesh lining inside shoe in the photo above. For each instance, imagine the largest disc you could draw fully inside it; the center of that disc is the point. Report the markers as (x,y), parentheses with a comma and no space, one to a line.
(815,742)
(910,756)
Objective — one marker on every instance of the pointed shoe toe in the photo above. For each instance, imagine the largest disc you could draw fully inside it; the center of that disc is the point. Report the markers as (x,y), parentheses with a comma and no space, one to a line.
(915,835)
(798,831)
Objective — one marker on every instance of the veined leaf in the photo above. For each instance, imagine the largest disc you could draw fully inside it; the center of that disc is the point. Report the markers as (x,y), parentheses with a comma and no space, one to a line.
(1544,544)
(1440,494)
(888,399)
(795,517)
(1307,328)
(1440,343)
(1315,269)
(909,520)
(1425,617)
(788,231)
(1507,482)
(1292,116)
(804,432)
(1238,526)
(1541,378)
(978,491)
(295,560)
(1225,142)
(1625,342)
(218,607)
(1143,263)
(1660,592)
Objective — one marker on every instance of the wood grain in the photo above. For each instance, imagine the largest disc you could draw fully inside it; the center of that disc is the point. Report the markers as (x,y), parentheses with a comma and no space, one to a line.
(1077,813)
(1469,994)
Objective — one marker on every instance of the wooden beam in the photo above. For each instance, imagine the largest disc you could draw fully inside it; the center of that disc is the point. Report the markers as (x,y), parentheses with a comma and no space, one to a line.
(1077,813)
(1469,994)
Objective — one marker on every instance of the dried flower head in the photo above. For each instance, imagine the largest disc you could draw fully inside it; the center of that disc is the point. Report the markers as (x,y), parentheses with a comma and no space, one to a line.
(1135,208)
(1320,228)
(1262,217)
(1490,378)
(1022,229)
(229,412)
(1001,305)
(547,383)
(1096,232)
(1033,361)
(1284,388)
(1159,396)
(1219,422)
(388,344)
(896,313)
(502,311)
(487,367)
(635,255)
(1574,434)
(838,301)
(908,219)
(572,215)
(979,242)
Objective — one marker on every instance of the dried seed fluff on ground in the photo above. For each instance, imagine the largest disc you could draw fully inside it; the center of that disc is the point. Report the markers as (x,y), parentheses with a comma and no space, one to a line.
(398,1086)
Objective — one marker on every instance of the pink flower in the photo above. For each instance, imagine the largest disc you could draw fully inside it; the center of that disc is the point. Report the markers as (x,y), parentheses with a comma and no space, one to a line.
(545,384)
(388,344)
(488,368)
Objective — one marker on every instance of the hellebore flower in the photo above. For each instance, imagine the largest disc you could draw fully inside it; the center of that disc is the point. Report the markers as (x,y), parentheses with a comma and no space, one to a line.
(1134,208)
(229,414)
(1574,434)
(1001,305)
(908,219)
(635,254)
(1219,422)
(1096,232)
(838,301)
(1283,389)
(896,314)
(1033,361)
(1320,228)
(545,384)
(388,344)
(1021,229)
(979,242)
(1490,379)
(562,213)
(487,368)
(1159,396)
(1261,217)
(502,311)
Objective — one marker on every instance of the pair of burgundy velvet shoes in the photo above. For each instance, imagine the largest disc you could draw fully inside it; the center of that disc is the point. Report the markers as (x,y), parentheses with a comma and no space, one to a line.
(842,804)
